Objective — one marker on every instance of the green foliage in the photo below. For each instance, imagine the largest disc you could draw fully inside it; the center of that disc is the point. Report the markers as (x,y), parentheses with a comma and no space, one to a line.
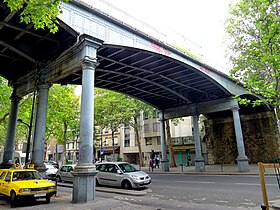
(41,13)
(5,93)
(254,27)
(62,117)
(114,109)
(63,114)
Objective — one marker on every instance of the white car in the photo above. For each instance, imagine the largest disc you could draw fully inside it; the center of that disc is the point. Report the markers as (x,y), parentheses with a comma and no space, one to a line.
(121,174)
(51,171)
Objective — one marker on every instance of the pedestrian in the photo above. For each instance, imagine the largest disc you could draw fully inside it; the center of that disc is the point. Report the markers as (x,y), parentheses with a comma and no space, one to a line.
(152,160)
(157,161)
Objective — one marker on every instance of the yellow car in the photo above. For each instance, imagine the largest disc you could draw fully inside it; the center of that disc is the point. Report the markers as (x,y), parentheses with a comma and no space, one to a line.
(19,183)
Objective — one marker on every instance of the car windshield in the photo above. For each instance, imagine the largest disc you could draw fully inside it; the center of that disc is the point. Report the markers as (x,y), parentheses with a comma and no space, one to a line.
(26,175)
(127,167)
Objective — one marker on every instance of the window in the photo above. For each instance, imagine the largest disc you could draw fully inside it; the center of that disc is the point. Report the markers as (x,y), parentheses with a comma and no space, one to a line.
(156,114)
(106,143)
(126,143)
(106,130)
(126,136)
(148,141)
(112,168)
(146,127)
(136,142)
(146,115)
(3,175)
(67,145)
(8,177)
(158,140)
(156,127)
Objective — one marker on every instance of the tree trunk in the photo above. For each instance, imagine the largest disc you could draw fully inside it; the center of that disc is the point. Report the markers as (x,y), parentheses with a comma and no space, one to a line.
(141,161)
(64,142)
(56,151)
(113,142)
(277,114)
(170,145)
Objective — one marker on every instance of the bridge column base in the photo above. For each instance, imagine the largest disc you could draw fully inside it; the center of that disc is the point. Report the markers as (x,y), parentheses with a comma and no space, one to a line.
(164,165)
(83,183)
(199,165)
(243,163)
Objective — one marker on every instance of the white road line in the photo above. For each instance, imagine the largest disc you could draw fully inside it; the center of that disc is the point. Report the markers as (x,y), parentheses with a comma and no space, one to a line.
(255,184)
(196,182)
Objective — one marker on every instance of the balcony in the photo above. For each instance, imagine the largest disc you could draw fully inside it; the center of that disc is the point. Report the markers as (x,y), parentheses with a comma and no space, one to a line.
(185,140)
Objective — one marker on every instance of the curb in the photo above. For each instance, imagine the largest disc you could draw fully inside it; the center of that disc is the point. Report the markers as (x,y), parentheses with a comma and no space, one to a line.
(114,190)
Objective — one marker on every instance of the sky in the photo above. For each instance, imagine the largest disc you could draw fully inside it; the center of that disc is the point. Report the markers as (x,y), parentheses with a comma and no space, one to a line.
(201,21)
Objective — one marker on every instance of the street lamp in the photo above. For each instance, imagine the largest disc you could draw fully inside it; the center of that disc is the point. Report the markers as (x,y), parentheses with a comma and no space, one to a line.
(29,129)
(28,139)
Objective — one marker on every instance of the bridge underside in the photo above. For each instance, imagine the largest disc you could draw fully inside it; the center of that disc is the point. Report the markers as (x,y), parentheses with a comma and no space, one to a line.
(165,83)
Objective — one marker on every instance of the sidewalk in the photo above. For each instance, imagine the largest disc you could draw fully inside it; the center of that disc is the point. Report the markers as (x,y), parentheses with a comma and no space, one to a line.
(211,169)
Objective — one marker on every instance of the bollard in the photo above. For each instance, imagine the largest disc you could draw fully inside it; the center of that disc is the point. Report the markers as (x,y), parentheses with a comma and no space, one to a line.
(182,168)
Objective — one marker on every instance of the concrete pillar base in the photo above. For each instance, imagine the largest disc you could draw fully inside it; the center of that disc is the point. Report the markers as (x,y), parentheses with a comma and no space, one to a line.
(199,164)
(41,168)
(243,163)
(6,165)
(164,165)
(83,183)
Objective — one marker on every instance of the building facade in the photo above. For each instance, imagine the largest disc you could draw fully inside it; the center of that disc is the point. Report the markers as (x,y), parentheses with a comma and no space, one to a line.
(125,144)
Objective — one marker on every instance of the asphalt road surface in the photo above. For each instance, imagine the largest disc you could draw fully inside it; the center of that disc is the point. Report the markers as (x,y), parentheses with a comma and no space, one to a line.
(191,192)
(234,191)
(182,191)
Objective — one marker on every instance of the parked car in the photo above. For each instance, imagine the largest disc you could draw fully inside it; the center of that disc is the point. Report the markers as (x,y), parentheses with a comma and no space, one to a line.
(64,173)
(121,174)
(51,171)
(52,162)
(17,183)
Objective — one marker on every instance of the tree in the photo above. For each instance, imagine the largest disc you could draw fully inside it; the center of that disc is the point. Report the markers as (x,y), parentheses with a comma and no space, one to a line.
(254,27)
(63,115)
(24,112)
(110,111)
(134,108)
(170,144)
(41,13)
(114,109)
(5,93)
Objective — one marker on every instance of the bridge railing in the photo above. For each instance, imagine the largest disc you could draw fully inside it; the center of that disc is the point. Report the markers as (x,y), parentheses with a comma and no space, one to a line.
(165,35)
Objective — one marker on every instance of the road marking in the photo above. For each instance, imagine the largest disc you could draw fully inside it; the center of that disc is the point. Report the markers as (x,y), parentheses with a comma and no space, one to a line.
(196,182)
(255,184)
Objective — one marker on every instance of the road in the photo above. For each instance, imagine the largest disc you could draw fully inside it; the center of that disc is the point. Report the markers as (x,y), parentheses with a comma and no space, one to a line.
(191,192)
(172,191)
(235,191)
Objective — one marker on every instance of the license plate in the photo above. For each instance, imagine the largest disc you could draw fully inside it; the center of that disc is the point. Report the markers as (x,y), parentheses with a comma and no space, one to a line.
(40,195)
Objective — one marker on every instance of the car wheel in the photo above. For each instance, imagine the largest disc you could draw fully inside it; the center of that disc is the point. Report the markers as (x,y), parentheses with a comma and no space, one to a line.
(126,185)
(48,199)
(96,182)
(13,199)
(58,178)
